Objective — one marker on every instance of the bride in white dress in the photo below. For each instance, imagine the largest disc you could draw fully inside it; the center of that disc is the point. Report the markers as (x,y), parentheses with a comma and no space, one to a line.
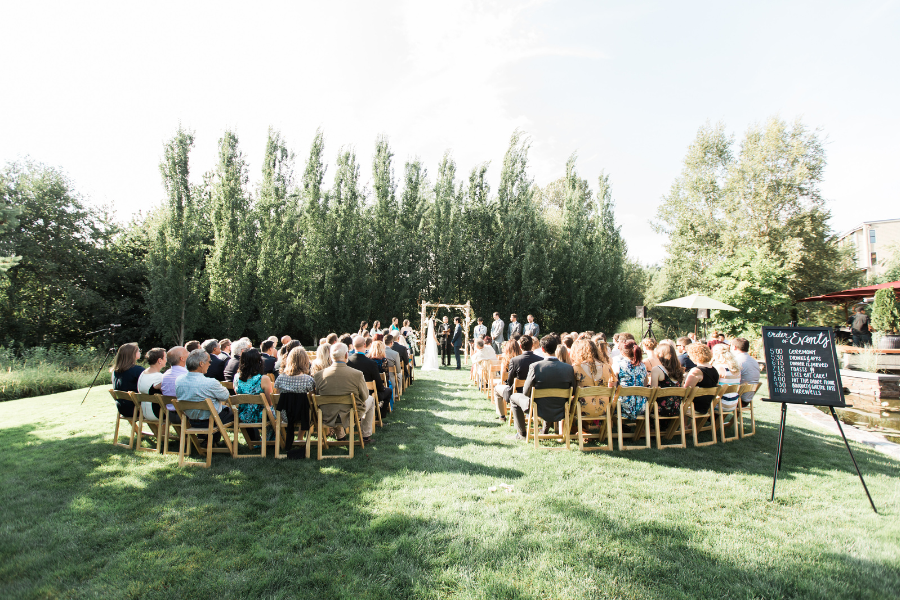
(430,360)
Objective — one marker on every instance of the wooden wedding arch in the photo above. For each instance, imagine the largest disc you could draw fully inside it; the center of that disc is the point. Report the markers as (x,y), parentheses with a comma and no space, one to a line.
(467,322)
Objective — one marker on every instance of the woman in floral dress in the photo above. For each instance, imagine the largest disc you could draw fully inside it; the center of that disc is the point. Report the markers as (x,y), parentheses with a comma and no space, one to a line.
(252,381)
(632,372)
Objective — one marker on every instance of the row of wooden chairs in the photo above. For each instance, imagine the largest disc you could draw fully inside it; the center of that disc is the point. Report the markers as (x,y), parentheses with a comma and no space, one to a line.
(663,427)
(162,427)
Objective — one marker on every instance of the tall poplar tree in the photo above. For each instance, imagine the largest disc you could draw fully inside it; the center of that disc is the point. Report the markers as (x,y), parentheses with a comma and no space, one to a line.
(232,264)
(316,256)
(384,259)
(176,255)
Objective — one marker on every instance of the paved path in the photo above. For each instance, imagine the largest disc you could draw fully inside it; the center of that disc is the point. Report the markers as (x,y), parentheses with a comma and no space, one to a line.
(826,422)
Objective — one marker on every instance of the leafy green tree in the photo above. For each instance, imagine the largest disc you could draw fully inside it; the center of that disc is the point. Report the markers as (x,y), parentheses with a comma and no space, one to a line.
(412,239)
(9,220)
(382,223)
(316,255)
(277,295)
(445,260)
(175,260)
(756,283)
(232,263)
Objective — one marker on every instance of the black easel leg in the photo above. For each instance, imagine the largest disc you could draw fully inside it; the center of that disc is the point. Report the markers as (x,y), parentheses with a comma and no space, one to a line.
(846,443)
(778,452)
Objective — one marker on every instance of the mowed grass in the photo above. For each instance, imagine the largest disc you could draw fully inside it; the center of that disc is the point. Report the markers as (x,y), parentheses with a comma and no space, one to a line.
(411,516)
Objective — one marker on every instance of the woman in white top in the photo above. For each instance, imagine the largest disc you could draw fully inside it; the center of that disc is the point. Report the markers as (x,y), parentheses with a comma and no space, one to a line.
(150,380)
(729,373)
(482,353)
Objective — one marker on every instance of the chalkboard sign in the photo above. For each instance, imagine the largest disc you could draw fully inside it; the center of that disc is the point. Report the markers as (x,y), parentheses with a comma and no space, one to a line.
(802,366)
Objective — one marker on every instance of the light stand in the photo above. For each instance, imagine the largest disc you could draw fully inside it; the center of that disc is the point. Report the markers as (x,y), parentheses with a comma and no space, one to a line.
(649,332)
(112,348)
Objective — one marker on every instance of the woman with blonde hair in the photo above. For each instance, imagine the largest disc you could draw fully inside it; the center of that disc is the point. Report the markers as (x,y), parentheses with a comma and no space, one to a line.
(648,345)
(293,384)
(591,371)
(729,372)
(702,375)
(323,359)
(562,353)
(376,353)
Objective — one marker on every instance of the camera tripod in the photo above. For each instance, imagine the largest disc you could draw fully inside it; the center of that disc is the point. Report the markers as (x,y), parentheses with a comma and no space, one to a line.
(649,332)
(109,352)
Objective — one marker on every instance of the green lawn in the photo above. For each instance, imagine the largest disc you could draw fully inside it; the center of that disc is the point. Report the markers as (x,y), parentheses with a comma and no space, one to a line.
(412,517)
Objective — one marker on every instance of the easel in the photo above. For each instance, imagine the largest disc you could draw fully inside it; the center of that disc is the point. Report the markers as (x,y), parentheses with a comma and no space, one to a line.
(779,453)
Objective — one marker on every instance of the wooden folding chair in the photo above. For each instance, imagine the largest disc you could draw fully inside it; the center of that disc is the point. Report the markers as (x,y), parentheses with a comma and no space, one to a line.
(373,391)
(347,399)
(314,430)
(589,412)
(677,421)
(132,421)
(707,420)
(243,428)
(733,411)
(159,427)
(228,385)
(493,377)
(641,421)
(531,426)
(516,385)
(215,425)
(750,387)
(399,379)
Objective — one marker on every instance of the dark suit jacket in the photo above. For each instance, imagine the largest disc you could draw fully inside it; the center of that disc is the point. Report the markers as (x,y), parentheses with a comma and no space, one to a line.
(402,351)
(231,368)
(515,328)
(519,365)
(550,373)
(457,335)
(686,361)
(216,368)
(269,364)
(370,369)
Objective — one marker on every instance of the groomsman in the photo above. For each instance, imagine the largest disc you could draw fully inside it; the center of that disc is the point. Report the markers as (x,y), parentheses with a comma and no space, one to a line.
(515,328)
(497,332)
(532,328)
(480,330)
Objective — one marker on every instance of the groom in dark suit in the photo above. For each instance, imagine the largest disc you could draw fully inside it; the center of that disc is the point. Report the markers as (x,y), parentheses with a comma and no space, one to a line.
(457,340)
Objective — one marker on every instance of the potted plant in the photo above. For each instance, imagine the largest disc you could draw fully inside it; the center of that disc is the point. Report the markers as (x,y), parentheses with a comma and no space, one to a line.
(886,318)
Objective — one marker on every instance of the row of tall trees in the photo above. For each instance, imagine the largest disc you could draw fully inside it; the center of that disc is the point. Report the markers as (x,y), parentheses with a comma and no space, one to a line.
(296,255)
(749,226)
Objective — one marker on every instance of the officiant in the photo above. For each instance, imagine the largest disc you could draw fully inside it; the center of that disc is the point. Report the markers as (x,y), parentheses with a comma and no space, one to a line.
(444,333)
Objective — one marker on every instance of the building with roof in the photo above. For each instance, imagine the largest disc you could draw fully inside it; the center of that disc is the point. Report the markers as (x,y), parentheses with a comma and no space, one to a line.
(871,240)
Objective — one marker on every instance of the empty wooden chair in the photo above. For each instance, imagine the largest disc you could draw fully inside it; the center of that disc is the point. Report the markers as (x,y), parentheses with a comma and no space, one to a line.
(675,422)
(705,421)
(722,412)
(159,426)
(350,401)
(373,391)
(593,411)
(531,426)
(493,377)
(132,420)
(191,432)
(641,422)
(750,387)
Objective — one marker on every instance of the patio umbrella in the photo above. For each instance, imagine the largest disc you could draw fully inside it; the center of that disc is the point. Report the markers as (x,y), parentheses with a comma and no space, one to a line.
(697,301)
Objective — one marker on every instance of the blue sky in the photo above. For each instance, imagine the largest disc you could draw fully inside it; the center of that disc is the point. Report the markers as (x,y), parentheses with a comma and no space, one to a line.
(96,88)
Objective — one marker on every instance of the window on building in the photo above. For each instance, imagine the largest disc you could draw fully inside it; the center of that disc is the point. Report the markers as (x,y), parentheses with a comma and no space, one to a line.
(871,236)
(874,259)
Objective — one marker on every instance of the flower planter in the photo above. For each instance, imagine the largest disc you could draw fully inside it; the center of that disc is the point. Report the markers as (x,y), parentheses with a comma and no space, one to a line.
(878,385)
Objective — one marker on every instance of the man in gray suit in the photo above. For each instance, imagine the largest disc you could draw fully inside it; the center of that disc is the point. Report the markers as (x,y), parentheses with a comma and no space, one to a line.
(497,332)
(532,328)
(515,328)
(545,374)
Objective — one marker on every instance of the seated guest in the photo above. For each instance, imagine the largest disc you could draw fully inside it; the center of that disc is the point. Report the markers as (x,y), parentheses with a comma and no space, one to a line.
(502,391)
(194,386)
(269,356)
(323,359)
(749,366)
(702,375)
(393,356)
(176,358)
(293,384)
(591,370)
(331,339)
(681,345)
(648,345)
(568,341)
(562,353)
(375,350)
(615,353)
(632,372)
(729,373)
(225,349)
(543,374)
(285,340)
(480,355)
(668,373)
(150,381)
(125,374)
(192,345)
(216,368)
(398,346)
(340,379)
(283,353)
(346,339)
(371,372)
(252,380)
(234,363)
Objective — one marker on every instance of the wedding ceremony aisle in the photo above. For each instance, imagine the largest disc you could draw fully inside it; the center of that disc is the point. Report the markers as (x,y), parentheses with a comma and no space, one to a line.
(413,514)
